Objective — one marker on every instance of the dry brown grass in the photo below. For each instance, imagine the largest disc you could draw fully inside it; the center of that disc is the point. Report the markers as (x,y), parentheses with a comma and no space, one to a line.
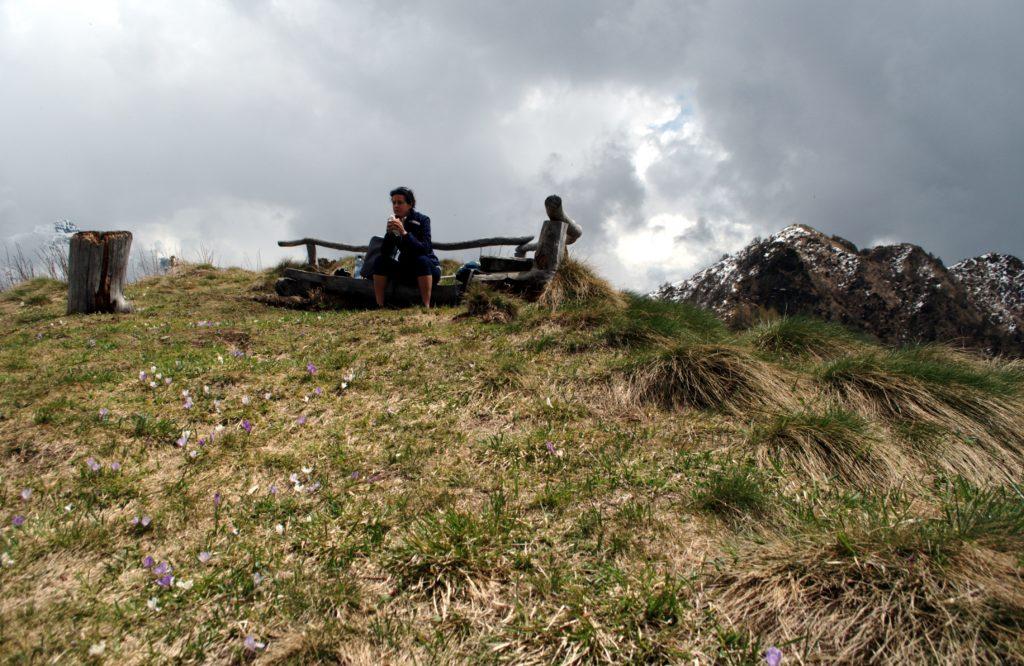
(975,405)
(489,305)
(575,281)
(827,446)
(708,376)
(596,554)
(876,607)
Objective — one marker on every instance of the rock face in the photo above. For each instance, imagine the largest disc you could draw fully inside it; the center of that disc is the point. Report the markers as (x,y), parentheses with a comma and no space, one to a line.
(898,293)
(995,283)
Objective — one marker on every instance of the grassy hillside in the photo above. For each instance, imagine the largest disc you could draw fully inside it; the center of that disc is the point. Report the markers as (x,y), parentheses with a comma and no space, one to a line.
(611,480)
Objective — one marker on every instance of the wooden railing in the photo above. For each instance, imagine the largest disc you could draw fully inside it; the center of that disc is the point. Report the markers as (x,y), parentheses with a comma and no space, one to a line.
(312,243)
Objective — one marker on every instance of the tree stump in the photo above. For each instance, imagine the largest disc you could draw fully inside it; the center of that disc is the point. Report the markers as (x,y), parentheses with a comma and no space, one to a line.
(97,267)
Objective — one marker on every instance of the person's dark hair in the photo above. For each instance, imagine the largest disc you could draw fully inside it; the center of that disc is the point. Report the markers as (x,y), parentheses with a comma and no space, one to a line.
(410,198)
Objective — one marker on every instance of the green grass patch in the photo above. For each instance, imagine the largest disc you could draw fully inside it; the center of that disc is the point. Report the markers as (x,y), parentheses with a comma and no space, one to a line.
(646,321)
(800,336)
(734,490)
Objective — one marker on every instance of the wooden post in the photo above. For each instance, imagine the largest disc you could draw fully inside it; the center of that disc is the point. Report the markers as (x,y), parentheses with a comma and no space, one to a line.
(550,245)
(311,253)
(97,265)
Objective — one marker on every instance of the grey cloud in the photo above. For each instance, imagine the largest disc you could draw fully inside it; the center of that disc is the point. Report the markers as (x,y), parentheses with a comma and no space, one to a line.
(607,188)
(863,119)
(698,233)
(871,119)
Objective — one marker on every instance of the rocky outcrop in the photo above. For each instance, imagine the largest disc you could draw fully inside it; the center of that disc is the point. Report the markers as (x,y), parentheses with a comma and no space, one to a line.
(898,293)
(995,283)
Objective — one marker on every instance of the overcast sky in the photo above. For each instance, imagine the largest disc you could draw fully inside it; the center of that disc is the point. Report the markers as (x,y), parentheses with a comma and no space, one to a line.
(675,131)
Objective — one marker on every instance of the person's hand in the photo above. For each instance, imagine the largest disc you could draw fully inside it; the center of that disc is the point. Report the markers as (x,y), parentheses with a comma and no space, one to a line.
(395,226)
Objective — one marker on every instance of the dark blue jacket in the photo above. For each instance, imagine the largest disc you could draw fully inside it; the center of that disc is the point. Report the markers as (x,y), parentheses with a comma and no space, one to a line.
(416,243)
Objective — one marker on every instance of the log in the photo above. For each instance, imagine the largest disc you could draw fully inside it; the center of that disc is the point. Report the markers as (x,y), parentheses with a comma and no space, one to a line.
(97,265)
(361,291)
(505,264)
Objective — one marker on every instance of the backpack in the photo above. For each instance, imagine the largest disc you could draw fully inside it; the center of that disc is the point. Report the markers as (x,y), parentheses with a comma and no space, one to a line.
(370,258)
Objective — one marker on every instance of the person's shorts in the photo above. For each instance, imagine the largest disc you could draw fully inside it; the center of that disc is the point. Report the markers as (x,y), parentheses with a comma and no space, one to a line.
(407,270)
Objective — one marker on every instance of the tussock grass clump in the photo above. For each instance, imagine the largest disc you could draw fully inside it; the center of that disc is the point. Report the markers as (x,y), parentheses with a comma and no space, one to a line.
(800,336)
(734,490)
(489,305)
(647,321)
(833,444)
(881,584)
(878,608)
(977,402)
(706,376)
(926,379)
(576,282)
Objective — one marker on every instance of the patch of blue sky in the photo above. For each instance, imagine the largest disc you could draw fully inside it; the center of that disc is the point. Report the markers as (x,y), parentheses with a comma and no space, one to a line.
(686,112)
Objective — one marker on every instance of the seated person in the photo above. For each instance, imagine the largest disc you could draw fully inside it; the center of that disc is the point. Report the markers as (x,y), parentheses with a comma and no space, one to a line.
(406,254)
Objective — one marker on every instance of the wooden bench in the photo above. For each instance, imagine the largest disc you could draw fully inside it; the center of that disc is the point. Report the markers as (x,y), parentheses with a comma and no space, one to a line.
(520,273)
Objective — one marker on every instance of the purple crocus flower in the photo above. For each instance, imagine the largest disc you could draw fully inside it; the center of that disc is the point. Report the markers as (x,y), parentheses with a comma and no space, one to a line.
(253,645)
(18,521)
(188,402)
(147,562)
(312,488)
(93,465)
(205,556)
(162,568)
(318,390)
(26,493)
(142,375)
(273,489)
(202,441)
(301,420)
(354,476)
(104,412)
(237,352)
(773,656)
(166,580)
(183,440)
(216,499)
(550,447)
(115,466)
(246,426)
(310,368)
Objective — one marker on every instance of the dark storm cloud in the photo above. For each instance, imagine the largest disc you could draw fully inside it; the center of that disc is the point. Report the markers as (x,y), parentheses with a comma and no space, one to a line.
(871,120)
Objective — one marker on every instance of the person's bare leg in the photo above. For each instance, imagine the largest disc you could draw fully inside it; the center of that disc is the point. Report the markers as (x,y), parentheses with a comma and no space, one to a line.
(426,283)
(380,283)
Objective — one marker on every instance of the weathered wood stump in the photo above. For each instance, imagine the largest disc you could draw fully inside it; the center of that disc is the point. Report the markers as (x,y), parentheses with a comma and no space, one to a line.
(97,266)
